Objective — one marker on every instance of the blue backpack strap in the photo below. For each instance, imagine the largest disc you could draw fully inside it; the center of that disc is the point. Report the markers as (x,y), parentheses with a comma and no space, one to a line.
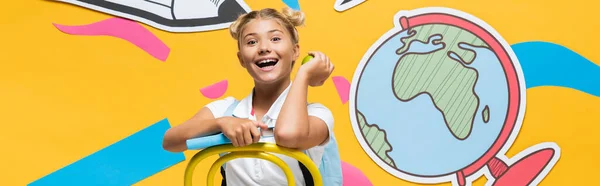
(330,168)
(331,164)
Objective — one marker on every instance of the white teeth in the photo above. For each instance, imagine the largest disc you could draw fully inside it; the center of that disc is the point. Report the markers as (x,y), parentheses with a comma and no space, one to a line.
(266,61)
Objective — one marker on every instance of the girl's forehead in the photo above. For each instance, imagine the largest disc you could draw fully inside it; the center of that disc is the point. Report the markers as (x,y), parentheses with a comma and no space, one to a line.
(262,26)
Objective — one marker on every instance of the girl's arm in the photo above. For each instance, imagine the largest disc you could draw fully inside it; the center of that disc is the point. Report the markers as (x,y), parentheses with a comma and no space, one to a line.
(241,132)
(294,127)
(201,123)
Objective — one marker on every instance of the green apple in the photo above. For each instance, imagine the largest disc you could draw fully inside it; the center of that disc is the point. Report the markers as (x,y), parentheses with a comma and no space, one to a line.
(306,59)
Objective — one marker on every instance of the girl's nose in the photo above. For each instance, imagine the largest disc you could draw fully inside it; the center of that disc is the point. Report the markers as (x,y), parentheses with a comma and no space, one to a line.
(264,49)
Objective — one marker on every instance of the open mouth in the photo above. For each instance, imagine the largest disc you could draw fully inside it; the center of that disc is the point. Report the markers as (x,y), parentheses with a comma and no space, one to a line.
(265,63)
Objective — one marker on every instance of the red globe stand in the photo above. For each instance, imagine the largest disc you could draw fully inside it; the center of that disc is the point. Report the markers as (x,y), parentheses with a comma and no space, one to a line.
(523,171)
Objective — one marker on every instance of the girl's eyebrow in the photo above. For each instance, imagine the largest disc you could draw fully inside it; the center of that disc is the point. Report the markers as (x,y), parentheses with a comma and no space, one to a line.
(270,31)
(249,34)
(275,30)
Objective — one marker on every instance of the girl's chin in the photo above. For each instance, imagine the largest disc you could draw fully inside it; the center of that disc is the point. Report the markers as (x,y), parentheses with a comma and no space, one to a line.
(268,79)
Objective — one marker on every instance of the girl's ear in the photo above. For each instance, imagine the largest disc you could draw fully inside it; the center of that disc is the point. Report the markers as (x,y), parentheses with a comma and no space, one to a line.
(239,56)
(296,51)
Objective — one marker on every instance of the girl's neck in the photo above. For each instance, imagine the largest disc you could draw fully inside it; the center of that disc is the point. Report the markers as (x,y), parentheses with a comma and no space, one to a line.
(266,94)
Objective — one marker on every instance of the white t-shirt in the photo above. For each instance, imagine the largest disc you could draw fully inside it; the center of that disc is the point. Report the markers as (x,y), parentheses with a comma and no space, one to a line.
(252,171)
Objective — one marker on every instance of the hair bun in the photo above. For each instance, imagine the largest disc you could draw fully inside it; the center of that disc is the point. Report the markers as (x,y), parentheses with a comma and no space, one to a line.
(234,27)
(295,17)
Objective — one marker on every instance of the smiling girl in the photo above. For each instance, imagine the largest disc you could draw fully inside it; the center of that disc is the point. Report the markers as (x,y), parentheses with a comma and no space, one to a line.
(268,49)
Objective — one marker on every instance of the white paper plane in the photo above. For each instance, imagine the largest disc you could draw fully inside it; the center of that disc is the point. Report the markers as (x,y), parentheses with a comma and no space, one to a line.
(343,5)
(172,15)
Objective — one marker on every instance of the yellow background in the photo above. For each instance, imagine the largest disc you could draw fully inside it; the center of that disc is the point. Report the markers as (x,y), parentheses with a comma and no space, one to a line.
(64,97)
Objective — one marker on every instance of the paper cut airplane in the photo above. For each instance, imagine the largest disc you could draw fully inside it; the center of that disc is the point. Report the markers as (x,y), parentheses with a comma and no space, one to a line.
(172,15)
(343,5)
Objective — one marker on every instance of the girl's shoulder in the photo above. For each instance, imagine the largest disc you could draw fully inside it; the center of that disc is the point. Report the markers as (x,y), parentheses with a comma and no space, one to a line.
(224,101)
(218,107)
(317,106)
(321,111)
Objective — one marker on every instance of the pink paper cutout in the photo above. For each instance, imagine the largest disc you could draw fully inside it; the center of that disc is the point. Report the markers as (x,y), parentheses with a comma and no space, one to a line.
(125,29)
(343,88)
(215,90)
(353,176)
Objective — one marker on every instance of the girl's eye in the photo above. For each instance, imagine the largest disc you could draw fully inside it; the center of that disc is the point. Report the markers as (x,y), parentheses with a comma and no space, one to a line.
(276,39)
(251,42)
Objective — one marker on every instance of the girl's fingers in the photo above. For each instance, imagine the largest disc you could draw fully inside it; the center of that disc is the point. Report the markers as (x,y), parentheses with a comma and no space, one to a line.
(234,142)
(331,68)
(255,134)
(247,137)
(318,55)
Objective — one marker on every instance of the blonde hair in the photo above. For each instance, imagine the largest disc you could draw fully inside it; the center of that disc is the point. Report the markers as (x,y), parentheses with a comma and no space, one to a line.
(288,18)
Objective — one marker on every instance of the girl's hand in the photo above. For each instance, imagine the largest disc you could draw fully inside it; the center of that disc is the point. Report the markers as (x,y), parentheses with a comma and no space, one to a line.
(241,132)
(317,70)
